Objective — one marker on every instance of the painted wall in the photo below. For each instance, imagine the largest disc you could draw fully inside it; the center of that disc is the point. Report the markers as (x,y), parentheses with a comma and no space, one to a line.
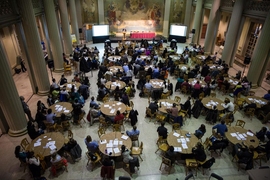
(89,11)
(177,11)
(134,15)
(206,16)
(223,24)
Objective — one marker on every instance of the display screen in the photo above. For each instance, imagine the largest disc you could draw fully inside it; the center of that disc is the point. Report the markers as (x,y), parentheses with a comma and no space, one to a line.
(177,30)
(100,30)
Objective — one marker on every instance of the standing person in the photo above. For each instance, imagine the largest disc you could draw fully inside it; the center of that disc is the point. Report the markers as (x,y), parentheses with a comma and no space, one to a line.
(133,116)
(198,152)
(26,109)
(77,111)
(162,131)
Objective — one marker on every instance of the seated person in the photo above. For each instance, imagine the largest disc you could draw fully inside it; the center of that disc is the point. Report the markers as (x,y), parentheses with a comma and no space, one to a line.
(92,146)
(50,100)
(125,99)
(187,106)
(77,78)
(221,128)
(33,130)
(228,105)
(170,154)
(251,105)
(153,106)
(162,131)
(207,78)
(188,86)
(64,95)
(261,134)
(238,75)
(226,84)
(132,161)
(238,88)
(267,96)
(244,154)
(50,116)
(55,158)
(63,80)
(101,92)
(108,162)
(118,117)
(212,115)
(264,110)
(133,132)
(117,93)
(173,111)
(148,85)
(54,85)
(21,155)
(200,132)
(198,152)
(34,164)
(95,112)
(196,109)
(218,143)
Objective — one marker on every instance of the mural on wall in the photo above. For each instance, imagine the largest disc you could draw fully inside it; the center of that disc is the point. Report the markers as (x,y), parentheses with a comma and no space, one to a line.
(89,11)
(134,15)
(177,12)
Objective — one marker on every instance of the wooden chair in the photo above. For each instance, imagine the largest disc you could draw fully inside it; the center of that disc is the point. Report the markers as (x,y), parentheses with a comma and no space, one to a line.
(93,163)
(191,164)
(260,157)
(103,123)
(23,164)
(108,77)
(200,163)
(101,132)
(184,90)
(121,123)
(228,122)
(116,128)
(146,92)
(162,145)
(81,118)
(160,117)
(67,69)
(24,143)
(42,162)
(213,94)
(240,123)
(223,90)
(134,138)
(166,162)
(106,98)
(69,136)
(137,151)
(149,113)
(201,95)
(176,73)
(266,117)
(166,95)
(207,143)
(65,125)
(176,126)
(250,112)
(177,99)
(49,126)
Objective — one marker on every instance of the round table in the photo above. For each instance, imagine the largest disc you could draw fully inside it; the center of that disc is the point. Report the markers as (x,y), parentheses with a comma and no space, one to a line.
(238,135)
(110,108)
(47,142)
(114,140)
(114,58)
(114,69)
(61,107)
(209,102)
(69,85)
(112,85)
(255,99)
(175,139)
(167,104)
(157,83)
(193,81)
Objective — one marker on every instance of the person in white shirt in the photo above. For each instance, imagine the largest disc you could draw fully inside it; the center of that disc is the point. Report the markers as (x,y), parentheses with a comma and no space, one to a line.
(228,106)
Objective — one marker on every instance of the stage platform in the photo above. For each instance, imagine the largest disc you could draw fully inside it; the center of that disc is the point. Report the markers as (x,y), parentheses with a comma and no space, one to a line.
(115,39)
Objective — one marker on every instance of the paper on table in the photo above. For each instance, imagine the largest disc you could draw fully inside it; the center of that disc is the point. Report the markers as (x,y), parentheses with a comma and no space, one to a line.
(112,111)
(249,133)
(187,139)
(120,142)
(238,138)
(106,105)
(115,142)
(116,150)
(103,141)
(109,150)
(37,144)
(57,105)
(118,103)
(179,140)
(66,111)
(52,147)
(177,149)
(183,141)
(176,134)
(250,99)
(49,139)
(38,140)
(208,105)
(184,146)
(44,136)
(233,134)
(109,145)
(119,109)
(124,137)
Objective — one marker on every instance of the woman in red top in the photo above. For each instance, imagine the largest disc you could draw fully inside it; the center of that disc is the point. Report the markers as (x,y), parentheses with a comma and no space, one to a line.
(197,90)
(118,117)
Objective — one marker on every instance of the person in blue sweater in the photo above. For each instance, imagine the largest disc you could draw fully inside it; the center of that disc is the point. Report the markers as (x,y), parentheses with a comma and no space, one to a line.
(221,128)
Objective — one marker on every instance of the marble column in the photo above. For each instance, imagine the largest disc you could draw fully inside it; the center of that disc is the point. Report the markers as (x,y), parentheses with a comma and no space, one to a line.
(166,18)
(101,17)
(79,13)
(54,35)
(188,16)
(65,27)
(197,21)
(232,32)
(260,53)
(34,47)
(212,23)
(45,28)
(10,102)
(73,19)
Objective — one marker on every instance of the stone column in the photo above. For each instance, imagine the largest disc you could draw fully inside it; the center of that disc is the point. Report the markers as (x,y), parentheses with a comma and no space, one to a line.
(166,18)
(188,16)
(79,13)
(34,47)
(54,35)
(101,17)
(65,26)
(233,30)
(260,53)
(197,21)
(45,28)
(210,36)
(73,19)
(10,101)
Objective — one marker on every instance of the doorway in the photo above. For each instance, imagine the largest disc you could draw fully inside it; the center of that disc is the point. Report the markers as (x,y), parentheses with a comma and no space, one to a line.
(204,28)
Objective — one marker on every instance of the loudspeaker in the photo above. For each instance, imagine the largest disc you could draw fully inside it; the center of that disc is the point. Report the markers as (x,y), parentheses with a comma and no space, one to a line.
(247,60)
(193,31)
(80,30)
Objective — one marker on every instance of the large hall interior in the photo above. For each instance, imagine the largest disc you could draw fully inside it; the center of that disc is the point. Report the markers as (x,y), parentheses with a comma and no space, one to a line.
(184,64)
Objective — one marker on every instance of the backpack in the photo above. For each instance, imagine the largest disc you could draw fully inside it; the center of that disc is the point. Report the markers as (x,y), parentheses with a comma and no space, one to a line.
(208,164)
